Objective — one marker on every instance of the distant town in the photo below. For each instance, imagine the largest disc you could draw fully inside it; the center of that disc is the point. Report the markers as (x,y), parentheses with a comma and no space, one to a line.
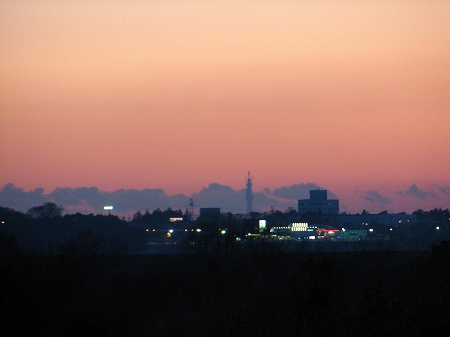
(160,271)
(316,225)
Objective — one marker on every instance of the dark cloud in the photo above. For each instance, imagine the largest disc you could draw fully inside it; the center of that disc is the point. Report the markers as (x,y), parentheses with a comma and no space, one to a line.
(298,191)
(148,199)
(229,200)
(416,192)
(376,198)
(92,200)
(77,196)
(128,201)
(216,195)
(16,198)
(445,191)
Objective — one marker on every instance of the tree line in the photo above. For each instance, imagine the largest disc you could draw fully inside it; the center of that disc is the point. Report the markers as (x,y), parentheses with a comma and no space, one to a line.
(45,230)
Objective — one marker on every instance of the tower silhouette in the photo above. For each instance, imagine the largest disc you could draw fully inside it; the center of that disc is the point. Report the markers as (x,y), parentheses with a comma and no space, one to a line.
(249,194)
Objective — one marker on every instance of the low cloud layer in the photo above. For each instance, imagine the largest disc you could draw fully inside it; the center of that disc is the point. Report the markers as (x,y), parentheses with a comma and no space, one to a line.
(376,198)
(445,191)
(92,200)
(416,192)
(408,200)
(127,201)
(299,191)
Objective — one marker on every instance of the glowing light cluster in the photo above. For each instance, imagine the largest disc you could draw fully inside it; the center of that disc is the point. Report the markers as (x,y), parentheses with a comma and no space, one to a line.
(299,226)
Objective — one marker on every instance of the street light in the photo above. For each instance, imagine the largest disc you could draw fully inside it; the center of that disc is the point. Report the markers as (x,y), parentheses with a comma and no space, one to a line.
(108,208)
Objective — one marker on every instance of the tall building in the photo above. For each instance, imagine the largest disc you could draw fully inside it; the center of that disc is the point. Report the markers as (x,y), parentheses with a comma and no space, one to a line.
(318,201)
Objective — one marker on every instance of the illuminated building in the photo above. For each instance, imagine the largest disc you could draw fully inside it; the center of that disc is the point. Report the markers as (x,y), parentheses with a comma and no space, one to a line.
(303,231)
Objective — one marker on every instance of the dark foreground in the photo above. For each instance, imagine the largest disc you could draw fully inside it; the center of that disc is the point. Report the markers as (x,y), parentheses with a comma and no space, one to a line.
(233,294)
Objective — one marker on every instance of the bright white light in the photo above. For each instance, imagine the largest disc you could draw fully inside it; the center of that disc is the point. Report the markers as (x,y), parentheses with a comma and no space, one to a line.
(199,230)
(299,226)
(109,208)
(170,230)
(262,224)
(343,229)
(223,231)
(437,227)
(371,230)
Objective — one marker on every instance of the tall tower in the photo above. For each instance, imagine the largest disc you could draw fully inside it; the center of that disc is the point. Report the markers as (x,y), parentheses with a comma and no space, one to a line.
(249,194)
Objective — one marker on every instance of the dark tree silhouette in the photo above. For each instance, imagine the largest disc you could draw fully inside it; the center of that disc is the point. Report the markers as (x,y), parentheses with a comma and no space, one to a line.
(46,211)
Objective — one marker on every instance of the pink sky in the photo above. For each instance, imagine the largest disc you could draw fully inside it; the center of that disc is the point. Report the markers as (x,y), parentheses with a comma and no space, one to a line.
(351,95)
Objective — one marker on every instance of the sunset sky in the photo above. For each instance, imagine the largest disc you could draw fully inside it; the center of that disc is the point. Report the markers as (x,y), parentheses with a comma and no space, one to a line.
(350,95)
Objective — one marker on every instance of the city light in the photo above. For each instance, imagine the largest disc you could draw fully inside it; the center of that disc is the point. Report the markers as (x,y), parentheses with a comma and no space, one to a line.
(108,208)
(262,225)
(299,226)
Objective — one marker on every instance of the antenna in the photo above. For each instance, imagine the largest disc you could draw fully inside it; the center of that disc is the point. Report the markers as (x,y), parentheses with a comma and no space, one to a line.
(249,194)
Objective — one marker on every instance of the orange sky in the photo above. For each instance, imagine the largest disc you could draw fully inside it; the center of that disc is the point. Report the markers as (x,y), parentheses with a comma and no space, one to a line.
(351,95)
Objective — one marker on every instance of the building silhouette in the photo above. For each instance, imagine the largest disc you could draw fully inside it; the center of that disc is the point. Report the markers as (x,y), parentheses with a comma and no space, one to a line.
(318,202)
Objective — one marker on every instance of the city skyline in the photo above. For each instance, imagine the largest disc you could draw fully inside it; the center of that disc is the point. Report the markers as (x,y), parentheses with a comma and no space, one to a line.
(351,96)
